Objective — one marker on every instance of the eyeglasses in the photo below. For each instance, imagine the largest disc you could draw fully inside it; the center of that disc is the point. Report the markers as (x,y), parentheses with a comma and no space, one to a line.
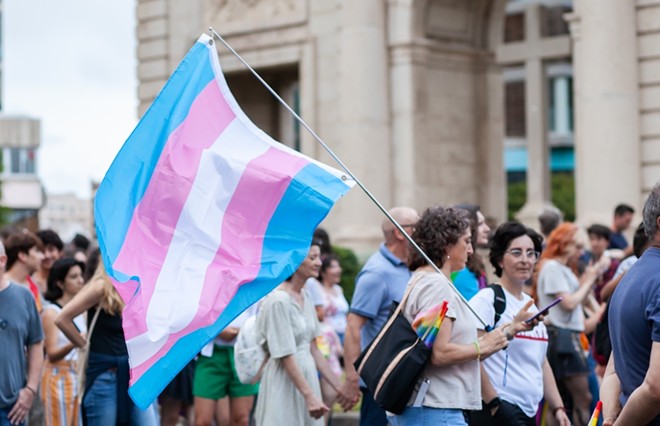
(529,254)
(408,225)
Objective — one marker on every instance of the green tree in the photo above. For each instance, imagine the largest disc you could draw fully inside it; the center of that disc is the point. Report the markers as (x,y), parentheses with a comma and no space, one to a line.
(350,267)
(562,186)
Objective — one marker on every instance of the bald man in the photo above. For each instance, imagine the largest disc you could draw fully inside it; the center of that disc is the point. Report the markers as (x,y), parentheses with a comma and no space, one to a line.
(381,281)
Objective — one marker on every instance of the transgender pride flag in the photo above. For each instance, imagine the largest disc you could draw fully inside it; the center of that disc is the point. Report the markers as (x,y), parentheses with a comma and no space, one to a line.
(200,215)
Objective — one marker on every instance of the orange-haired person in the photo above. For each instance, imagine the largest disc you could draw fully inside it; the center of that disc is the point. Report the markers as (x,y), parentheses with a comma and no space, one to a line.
(556,277)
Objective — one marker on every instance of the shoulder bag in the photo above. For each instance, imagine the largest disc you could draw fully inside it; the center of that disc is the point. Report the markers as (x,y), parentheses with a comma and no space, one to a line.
(392,364)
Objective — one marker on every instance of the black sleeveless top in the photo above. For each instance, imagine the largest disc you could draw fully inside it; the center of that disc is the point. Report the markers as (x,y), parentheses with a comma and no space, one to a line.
(108,335)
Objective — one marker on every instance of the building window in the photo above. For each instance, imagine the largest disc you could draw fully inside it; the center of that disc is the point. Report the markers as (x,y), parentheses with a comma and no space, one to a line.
(19,160)
(552,20)
(514,108)
(560,103)
(514,27)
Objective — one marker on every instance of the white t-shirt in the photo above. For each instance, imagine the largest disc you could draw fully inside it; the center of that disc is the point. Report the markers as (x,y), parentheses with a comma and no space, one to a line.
(518,379)
(556,278)
(335,305)
(456,386)
(625,265)
(313,289)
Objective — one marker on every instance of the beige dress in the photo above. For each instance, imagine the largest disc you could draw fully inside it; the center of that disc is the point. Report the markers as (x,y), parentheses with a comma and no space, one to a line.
(288,330)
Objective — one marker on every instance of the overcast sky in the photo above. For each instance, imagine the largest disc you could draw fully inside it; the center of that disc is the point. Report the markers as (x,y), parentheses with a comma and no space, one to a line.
(71,64)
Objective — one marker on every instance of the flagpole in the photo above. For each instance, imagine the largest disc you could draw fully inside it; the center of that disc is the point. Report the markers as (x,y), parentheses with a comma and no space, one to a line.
(348,172)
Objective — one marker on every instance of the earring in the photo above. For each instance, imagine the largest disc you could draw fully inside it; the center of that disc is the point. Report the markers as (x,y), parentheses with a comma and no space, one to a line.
(448,257)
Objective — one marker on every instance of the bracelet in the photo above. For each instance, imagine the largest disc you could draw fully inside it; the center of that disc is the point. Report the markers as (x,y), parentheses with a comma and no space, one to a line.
(478,348)
(560,408)
(34,392)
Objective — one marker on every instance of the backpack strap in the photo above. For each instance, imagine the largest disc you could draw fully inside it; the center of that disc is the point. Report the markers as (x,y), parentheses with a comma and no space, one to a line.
(499,303)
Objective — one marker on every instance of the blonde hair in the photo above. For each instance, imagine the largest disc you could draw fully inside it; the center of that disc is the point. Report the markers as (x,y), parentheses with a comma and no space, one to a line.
(112,302)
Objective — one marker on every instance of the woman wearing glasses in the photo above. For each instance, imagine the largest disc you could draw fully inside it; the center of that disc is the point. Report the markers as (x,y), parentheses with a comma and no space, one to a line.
(557,278)
(514,381)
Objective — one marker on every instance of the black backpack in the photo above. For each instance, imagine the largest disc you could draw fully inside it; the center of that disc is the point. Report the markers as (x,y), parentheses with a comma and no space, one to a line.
(499,303)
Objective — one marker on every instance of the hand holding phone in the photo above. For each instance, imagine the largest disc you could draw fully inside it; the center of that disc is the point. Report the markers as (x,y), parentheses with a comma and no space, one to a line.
(543,311)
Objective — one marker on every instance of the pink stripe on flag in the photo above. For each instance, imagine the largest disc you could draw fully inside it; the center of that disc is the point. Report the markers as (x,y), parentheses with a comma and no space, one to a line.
(238,259)
(157,214)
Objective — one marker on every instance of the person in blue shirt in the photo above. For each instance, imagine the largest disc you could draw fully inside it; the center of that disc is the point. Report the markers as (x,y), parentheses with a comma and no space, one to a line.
(623,216)
(631,385)
(381,281)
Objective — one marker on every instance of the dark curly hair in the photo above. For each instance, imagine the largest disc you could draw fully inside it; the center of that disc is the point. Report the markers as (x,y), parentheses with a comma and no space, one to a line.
(58,274)
(436,231)
(504,234)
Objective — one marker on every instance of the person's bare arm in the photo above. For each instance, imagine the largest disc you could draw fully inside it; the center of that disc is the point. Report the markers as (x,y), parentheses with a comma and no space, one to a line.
(89,296)
(644,403)
(447,353)
(350,391)
(315,406)
(610,390)
(593,318)
(488,392)
(54,352)
(608,289)
(19,411)
(552,396)
(571,300)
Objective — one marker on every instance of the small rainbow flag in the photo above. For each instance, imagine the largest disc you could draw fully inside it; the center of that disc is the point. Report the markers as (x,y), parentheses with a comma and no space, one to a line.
(427,323)
(593,421)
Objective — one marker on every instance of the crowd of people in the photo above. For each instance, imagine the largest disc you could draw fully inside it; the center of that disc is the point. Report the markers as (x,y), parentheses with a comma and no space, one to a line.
(495,360)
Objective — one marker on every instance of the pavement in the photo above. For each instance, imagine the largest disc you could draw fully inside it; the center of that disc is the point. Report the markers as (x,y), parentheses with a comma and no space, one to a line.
(351,418)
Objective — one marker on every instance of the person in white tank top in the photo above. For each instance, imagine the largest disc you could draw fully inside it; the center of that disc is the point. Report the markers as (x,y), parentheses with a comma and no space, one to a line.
(59,382)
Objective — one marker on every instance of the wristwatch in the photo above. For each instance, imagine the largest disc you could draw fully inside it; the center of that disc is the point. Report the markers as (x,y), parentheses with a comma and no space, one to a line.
(494,403)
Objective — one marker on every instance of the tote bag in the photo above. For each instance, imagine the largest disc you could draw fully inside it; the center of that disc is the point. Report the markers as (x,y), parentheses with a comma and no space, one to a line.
(83,356)
(391,365)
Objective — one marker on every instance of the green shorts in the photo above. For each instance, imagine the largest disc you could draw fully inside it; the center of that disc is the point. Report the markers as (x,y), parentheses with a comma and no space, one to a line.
(215,376)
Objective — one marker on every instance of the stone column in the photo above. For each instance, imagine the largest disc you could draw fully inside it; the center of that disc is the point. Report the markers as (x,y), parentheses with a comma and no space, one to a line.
(607,153)
(538,168)
(405,77)
(364,115)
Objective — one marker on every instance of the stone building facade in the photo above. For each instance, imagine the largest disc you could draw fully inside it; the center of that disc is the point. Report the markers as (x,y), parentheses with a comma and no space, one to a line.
(410,94)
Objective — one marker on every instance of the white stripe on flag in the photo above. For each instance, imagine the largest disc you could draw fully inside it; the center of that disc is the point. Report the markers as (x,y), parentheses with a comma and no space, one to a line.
(196,240)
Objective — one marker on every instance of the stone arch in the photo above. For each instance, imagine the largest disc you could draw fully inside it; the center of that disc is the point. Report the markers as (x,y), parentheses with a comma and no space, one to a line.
(443,54)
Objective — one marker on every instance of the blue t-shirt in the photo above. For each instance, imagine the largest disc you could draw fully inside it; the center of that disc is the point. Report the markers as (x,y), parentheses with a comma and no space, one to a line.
(465,282)
(618,241)
(634,320)
(20,326)
(381,281)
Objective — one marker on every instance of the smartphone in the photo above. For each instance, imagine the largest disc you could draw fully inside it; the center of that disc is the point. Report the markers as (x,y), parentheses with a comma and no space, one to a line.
(544,311)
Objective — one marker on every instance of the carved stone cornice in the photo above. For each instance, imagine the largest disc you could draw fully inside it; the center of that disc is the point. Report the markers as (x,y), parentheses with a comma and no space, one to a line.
(232,17)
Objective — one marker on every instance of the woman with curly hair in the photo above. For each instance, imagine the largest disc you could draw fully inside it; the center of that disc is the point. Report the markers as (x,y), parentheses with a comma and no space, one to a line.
(557,277)
(453,370)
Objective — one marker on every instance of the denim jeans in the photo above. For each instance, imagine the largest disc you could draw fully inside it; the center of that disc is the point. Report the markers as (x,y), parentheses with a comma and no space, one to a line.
(4,421)
(100,404)
(413,416)
(371,414)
